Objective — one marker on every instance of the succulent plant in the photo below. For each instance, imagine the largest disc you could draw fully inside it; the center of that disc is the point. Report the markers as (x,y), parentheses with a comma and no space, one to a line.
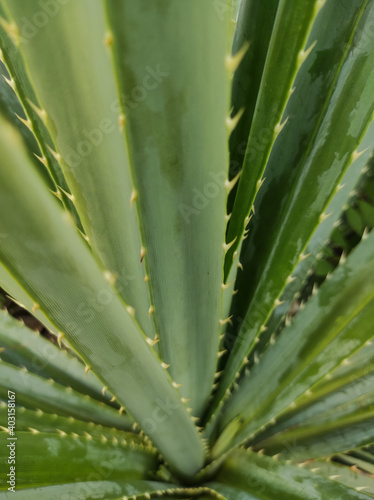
(186,197)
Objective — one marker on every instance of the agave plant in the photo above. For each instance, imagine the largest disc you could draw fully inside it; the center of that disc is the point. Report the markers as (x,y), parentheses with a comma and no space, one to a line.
(186,196)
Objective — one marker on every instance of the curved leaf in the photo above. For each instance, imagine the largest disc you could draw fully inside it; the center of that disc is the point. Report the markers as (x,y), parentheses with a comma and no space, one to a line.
(85,137)
(53,423)
(340,118)
(31,121)
(59,272)
(36,392)
(21,346)
(286,53)
(330,328)
(325,437)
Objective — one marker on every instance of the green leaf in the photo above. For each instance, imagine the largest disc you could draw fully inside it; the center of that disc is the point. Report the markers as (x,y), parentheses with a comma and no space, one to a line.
(11,107)
(22,347)
(81,113)
(359,458)
(350,381)
(267,478)
(42,421)
(32,123)
(19,295)
(45,459)
(286,53)
(36,392)
(119,490)
(349,476)
(331,327)
(352,179)
(233,493)
(176,74)
(367,212)
(253,32)
(250,46)
(340,118)
(106,489)
(358,365)
(326,436)
(60,274)
(333,397)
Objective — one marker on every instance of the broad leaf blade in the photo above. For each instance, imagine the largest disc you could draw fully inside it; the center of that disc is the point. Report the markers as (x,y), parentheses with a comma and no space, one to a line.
(45,459)
(59,272)
(104,489)
(81,114)
(179,170)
